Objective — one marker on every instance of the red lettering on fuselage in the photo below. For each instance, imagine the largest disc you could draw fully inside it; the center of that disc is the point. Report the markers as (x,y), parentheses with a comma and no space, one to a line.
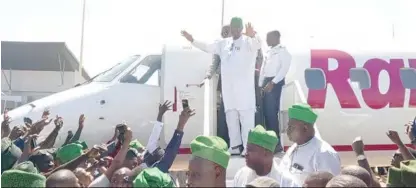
(338,78)
(373,97)
(394,97)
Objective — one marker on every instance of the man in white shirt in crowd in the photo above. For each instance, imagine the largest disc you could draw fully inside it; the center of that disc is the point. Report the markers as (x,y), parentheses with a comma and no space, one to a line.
(238,58)
(309,153)
(259,158)
(272,78)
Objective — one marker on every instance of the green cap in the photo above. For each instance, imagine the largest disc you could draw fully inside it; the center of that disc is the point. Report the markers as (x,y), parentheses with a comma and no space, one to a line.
(10,153)
(69,152)
(408,169)
(131,153)
(265,139)
(26,166)
(136,144)
(394,177)
(153,177)
(303,112)
(405,176)
(236,22)
(82,143)
(212,148)
(19,178)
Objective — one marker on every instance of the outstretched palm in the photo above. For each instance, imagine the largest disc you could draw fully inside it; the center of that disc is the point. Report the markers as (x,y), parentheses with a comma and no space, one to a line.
(187,36)
(250,30)
(165,107)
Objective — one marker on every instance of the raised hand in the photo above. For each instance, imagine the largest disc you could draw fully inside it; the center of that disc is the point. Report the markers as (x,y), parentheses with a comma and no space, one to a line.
(81,121)
(187,36)
(29,140)
(37,127)
(249,30)
(165,107)
(394,137)
(184,117)
(45,113)
(44,120)
(128,135)
(58,122)
(358,146)
(162,109)
(16,132)
(28,122)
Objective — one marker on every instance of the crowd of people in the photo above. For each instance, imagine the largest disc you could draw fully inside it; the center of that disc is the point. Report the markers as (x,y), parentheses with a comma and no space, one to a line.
(123,161)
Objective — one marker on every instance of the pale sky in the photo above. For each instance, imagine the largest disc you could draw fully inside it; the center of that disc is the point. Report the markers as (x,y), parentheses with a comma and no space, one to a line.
(115,29)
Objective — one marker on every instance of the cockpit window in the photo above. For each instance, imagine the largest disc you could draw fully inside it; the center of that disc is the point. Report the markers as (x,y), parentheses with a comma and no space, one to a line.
(147,72)
(110,74)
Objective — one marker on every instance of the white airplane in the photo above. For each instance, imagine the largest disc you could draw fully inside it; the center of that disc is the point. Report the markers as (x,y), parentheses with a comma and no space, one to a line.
(354,93)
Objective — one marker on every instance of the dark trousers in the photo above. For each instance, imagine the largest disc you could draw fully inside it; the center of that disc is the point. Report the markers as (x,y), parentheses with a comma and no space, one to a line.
(259,103)
(271,107)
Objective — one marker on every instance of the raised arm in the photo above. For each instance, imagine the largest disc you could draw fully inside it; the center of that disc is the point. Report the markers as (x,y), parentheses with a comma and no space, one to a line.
(50,140)
(79,130)
(395,138)
(206,47)
(152,143)
(253,39)
(358,147)
(175,142)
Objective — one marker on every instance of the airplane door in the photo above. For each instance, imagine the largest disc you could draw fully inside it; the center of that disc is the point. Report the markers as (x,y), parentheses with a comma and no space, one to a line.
(183,69)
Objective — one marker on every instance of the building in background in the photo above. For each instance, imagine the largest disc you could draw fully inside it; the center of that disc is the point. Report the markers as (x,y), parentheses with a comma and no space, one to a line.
(32,70)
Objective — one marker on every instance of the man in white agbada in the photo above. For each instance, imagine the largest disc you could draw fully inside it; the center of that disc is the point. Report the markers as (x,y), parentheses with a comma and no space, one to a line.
(238,57)
(259,158)
(309,153)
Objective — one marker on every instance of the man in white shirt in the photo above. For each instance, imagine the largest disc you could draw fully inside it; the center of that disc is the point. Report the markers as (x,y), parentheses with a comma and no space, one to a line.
(238,58)
(309,153)
(259,158)
(272,79)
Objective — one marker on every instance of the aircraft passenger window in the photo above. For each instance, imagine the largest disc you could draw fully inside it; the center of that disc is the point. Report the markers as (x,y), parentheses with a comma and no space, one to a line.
(147,72)
(361,76)
(408,77)
(315,79)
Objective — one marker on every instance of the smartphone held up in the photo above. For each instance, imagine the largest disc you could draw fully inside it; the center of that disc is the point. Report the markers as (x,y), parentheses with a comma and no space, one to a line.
(121,128)
(185,103)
